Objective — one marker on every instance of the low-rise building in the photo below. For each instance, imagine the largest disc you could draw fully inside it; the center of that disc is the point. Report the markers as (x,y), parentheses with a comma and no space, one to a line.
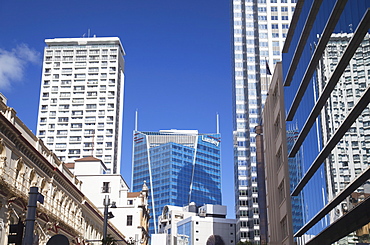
(196,225)
(131,214)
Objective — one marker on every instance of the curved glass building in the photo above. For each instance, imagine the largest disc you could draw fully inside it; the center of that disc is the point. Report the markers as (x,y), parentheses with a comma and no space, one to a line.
(326,74)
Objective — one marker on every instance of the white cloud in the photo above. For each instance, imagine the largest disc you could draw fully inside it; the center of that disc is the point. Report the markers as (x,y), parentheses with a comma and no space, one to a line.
(13,64)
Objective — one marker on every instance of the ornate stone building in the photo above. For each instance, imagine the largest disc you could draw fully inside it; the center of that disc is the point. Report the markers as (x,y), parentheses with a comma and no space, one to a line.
(25,162)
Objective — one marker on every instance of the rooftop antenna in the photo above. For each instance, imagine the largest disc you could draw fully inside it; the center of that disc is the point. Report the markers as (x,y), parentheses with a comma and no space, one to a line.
(217,124)
(136,119)
(88,32)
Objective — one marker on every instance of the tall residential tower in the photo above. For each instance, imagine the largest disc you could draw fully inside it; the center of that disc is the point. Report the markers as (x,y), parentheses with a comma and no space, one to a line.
(179,167)
(259,30)
(81,99)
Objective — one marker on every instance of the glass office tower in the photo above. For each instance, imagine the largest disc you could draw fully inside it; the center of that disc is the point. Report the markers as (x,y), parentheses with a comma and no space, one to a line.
(259,30)
(326,73)
(179,167)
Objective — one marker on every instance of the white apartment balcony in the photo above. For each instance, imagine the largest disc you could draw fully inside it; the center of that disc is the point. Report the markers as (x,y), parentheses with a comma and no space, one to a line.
(78,100)
(67,58)
(60,146)
(89,132)
(94,57)
(90,120)
(75,138)
(95,81)
(81,58)
(82,75)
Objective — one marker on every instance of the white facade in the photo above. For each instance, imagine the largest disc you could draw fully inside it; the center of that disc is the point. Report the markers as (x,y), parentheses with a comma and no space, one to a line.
(259,31)
(192,225)
(81,99)
(131,215)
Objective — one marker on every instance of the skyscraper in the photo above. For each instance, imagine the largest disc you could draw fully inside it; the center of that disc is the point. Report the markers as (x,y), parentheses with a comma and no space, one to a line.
(327,94)
(81,99)
(259,30)
(179,167)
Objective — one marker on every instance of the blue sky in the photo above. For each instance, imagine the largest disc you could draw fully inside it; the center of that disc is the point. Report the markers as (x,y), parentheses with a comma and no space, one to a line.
(178,67)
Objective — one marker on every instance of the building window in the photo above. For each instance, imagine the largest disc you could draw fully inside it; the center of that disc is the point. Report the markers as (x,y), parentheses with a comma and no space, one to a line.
(279,158)
(277,125)
(129,220)
(63,119)
(284,9)
(281,192)
(105,188)
(284,227)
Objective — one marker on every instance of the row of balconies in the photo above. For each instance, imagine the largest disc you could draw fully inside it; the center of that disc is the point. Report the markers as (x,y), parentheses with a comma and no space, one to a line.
(87,131)
(69,82)
(80,69)
(77,65)
(64,121)
(79,52)
(51,206)
(80,58)
(90,91)
(80,75)
(85,145)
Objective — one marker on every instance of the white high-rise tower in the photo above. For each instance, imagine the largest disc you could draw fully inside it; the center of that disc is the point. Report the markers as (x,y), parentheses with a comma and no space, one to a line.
(259,31)
(81,99)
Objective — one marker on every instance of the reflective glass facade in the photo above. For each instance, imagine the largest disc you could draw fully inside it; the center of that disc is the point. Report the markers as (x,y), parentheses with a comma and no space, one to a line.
(295,174)
(259,30)
(186,230)
(326,76)
(179,167)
